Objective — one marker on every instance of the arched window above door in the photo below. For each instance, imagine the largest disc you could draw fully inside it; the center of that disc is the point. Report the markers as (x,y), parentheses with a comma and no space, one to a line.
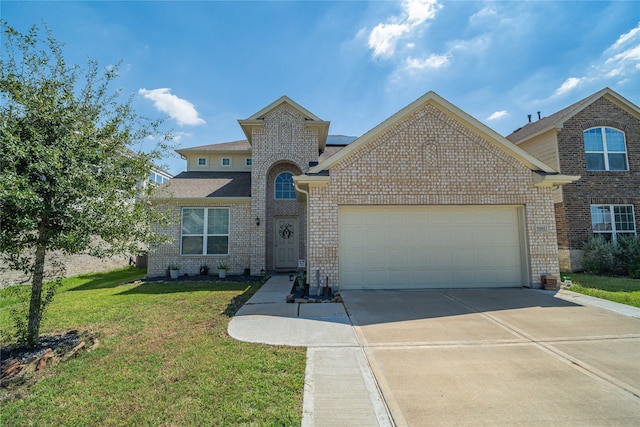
(284,186)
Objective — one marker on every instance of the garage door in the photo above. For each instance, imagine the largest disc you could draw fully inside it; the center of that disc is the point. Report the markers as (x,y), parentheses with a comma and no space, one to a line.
(429,247)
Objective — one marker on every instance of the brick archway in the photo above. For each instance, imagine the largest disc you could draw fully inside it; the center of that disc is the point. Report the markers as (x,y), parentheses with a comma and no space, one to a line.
(282,208)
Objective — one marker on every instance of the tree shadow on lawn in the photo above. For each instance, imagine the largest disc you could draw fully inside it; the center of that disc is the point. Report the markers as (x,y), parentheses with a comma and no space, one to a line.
(248,289)
(156,288)
(110,279)
(131,275)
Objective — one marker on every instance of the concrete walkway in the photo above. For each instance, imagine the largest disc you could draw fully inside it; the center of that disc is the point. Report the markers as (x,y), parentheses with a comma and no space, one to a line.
(339,389)
(456,357)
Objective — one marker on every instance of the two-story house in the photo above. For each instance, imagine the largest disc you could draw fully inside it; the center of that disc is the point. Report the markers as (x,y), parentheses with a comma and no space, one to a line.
(430,197)
(597,138)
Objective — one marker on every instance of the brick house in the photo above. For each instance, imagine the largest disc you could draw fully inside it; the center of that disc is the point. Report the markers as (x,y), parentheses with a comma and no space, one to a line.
(597,138)
(429,198)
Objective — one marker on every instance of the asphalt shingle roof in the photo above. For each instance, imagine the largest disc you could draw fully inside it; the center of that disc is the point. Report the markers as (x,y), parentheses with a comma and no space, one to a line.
(206,184)
(242,145)
(557,119)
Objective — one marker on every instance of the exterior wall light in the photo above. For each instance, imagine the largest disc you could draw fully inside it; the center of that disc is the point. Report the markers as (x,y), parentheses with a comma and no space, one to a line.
(258,221)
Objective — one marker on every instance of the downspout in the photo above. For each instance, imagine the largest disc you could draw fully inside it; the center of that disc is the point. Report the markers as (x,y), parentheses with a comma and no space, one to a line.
(306,193)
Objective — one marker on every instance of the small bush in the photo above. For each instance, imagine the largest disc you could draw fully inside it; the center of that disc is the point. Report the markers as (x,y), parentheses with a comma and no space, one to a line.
(598,256)
(634,270)
(630,254)
(616,257)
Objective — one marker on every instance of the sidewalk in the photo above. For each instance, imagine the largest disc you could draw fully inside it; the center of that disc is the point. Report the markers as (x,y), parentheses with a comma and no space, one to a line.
(339,389)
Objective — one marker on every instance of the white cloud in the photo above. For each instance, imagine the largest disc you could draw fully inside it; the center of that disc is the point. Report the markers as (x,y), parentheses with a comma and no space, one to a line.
(419,11)
(620,61)
(178,109)
(498,115)
(433,61)
(568,85)
(482,14)
(384,36)
(627,36)
(177,137)
(632,54)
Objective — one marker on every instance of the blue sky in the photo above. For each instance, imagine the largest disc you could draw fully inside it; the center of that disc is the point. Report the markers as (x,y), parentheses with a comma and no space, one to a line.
(206,64)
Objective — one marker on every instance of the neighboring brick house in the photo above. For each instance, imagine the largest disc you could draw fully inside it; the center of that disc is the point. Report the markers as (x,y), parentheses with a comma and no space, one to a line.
(431,197)
(597,138)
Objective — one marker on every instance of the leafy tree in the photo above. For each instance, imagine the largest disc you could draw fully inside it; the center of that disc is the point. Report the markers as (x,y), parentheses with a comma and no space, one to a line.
(69,180)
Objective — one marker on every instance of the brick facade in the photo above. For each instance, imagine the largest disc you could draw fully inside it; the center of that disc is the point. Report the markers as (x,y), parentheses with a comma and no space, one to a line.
(283,208)
(241,226)
(430,159)
(594,187)
(283,143)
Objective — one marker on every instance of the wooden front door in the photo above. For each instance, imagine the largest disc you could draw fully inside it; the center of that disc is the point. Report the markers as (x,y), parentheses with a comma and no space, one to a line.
(287,242)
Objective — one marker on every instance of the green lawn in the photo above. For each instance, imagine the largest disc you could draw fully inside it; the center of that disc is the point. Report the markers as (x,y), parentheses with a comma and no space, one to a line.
(619,289)
(164,359)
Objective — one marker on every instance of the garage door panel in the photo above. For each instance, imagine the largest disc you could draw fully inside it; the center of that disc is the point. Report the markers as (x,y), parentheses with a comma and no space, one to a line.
(396,236)
(429,246)
(374,258)
(398,259)
(373,237)
(437,236)
(464,257)
(376,278)
(467,277)
(439,217)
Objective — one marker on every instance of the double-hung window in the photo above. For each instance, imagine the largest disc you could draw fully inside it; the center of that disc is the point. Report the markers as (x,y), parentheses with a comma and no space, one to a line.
(205,231)
(605,149)
(611,221)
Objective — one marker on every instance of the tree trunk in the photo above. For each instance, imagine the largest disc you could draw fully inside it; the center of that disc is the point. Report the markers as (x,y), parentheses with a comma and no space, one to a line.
(35,305)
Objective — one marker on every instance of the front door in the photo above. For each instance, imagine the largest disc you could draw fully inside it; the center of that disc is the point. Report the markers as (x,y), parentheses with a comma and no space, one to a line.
(287,242)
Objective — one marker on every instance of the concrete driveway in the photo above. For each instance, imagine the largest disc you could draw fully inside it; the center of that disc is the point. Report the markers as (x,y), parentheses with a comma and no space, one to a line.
(498,358)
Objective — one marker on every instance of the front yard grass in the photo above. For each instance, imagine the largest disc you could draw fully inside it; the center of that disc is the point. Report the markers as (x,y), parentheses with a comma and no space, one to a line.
(618,289)
(164,359)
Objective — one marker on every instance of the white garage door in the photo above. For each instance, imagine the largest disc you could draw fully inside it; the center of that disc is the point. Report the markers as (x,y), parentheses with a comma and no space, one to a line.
(429,247)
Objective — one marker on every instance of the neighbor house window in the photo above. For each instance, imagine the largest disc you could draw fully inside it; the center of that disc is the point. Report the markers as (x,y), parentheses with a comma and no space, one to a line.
(202,161)
(205,231)
(605,149)
(284,186)
(248,161)
(157,178)
(611,221)
(226,161)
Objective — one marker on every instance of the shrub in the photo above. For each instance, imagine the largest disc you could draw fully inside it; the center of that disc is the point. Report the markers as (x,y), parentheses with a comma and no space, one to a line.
(616,257)
(630,254)
(599,256)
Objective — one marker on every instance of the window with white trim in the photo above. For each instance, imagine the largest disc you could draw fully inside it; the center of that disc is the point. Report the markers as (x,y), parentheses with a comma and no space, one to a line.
(611,221)
(284,187)
(248,161)
(605,149)
(157,178)
(226,161)
(202,161)
(205,231)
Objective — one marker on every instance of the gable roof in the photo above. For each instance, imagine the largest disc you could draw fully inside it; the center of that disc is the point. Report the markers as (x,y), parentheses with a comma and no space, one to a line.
(556,120)
(311,120)
(454,112)
(224,147)
(196,185)
(334,144)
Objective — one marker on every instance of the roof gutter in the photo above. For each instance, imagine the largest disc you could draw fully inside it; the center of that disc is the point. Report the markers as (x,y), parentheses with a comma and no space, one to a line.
(177,200)
(553,180)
